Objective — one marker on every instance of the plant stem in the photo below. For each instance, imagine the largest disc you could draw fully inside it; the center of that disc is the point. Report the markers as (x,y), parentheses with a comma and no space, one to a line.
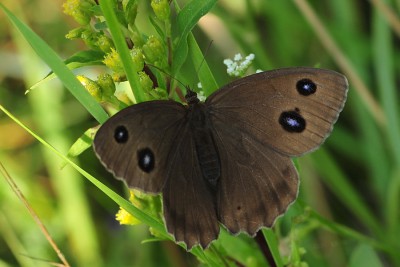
(262,243)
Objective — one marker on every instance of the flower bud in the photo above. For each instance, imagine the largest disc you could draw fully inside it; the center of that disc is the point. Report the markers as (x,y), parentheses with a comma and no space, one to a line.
(113,62)
(145,81)
(104,43)
(161,9)
(130,10)
(137,58)
(154,51)
(75,33)
(105,81)
(91,86)
(80,10)
(90,38)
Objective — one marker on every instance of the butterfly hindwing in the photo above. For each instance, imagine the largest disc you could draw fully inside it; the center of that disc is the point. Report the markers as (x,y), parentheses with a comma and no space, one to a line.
(256,185)
(189,205)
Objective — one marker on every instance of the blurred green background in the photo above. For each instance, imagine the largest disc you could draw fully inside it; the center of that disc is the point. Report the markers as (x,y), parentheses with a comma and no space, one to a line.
(348,209)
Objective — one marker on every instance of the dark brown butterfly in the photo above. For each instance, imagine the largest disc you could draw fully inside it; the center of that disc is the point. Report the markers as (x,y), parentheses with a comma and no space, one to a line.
(226,160)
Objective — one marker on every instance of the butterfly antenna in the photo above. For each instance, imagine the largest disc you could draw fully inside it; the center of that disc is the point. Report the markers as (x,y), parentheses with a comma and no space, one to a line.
(204,58)
(187,87)
(169,75)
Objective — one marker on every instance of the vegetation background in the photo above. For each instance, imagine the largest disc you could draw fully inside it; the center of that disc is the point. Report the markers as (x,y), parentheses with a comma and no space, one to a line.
(347,213)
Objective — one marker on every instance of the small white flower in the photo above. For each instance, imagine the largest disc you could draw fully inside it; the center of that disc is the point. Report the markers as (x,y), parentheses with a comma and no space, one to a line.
(250,57)
(228,61)
(199,85)
(237,57)
(201,96)
(238,66)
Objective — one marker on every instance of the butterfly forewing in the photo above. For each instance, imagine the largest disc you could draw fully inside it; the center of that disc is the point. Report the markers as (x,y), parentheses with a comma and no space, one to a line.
(150,131)
(290,110)
(159,131)
(259,122)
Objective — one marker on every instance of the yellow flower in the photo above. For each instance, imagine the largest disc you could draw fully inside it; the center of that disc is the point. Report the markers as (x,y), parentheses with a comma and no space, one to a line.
(125,217)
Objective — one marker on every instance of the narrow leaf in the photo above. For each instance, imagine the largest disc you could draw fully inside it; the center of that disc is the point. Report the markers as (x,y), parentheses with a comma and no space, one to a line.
(107,6)
(50,57)
(187,19)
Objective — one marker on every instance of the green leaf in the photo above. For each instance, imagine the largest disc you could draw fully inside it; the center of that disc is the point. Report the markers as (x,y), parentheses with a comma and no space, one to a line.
(101,26)
(78,60)
(83,143)
(348,232)
(107,6)
(57,65)
(86,58)
(273,245)
(206,77)
(157,28)
(364,255)
(80,145)
(334,177)
(187,19)
(240,248)
(386,73)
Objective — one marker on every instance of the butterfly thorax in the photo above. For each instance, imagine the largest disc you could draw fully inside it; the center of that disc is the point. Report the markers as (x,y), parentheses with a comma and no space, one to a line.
(206,149)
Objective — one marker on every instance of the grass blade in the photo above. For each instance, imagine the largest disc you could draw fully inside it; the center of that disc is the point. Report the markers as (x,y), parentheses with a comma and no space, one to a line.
(125,204)
(107,6)
(57,65)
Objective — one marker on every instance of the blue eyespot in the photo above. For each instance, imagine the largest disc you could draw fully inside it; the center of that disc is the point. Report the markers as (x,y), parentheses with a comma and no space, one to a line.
(306,87)
(292,121)
(146,159)
(121,134)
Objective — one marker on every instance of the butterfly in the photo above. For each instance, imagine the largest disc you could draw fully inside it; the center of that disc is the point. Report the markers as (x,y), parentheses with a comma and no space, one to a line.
(228,160)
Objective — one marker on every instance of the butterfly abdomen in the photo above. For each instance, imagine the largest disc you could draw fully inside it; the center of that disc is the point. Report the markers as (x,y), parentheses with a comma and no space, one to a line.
(206,150)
